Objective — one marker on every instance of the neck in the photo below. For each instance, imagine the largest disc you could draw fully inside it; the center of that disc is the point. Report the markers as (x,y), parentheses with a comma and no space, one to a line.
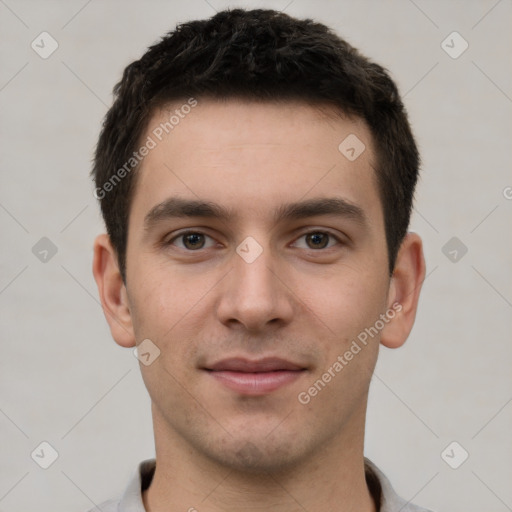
(184,480)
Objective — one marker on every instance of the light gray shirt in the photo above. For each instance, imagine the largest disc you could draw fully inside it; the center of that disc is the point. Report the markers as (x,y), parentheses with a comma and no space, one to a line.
(379,485)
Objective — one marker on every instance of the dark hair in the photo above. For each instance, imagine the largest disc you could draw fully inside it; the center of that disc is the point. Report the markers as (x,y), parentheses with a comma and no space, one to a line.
(259,55)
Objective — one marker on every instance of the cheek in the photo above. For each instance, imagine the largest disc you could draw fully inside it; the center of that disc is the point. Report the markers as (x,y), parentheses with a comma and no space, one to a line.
(346,302)
(170,310)
(161,296)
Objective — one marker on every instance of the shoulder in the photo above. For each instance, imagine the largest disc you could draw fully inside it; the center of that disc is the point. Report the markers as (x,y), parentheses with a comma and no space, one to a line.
(389,500)
(131,499)
(106,506)
(409,507)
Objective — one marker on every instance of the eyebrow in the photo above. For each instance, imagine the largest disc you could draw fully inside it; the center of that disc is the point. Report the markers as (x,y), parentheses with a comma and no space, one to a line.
(175,207)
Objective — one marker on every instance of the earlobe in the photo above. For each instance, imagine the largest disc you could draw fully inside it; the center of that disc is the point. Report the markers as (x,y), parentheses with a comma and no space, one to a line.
(404,291)
(112,291)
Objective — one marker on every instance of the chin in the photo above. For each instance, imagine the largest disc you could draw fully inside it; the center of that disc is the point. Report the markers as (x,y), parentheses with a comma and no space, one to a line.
(257,455)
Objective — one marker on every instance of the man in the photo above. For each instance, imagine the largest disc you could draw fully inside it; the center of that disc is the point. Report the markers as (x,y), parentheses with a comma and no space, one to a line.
(256,176)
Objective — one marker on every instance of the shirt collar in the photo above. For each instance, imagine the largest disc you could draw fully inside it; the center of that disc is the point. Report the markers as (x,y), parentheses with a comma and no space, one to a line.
(383,493)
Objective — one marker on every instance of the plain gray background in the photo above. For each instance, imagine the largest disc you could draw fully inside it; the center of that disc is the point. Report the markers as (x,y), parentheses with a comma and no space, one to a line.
(63,380)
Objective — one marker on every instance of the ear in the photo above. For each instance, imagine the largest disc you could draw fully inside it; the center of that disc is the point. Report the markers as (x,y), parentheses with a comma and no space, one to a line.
(404,291)
(112,290)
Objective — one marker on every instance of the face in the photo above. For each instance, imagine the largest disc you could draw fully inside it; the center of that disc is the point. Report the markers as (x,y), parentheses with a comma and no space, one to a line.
(253,297)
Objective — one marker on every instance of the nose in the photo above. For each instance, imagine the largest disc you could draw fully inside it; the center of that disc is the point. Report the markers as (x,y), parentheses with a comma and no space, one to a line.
(255,294)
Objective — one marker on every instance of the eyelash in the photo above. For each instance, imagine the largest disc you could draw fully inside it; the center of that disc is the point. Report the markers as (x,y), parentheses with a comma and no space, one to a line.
(193,232)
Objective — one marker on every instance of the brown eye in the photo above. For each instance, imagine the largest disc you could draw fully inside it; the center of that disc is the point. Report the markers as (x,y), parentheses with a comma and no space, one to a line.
(193,241)
(317,240)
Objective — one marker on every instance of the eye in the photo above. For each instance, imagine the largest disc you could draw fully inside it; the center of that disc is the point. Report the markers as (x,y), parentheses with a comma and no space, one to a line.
(318,240)
(191,241)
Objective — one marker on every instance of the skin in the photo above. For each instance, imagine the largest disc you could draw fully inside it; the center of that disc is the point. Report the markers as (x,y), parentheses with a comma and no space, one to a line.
(216,449)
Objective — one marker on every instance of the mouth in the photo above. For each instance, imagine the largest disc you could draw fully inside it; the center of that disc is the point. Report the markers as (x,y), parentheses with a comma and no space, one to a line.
(255,377)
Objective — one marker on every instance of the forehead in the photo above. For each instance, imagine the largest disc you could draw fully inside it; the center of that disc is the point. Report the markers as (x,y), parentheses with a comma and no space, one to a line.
(252,156)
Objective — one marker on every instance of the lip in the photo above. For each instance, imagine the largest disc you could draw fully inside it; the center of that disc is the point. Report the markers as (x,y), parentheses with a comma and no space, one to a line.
(257,377)
(267,364)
